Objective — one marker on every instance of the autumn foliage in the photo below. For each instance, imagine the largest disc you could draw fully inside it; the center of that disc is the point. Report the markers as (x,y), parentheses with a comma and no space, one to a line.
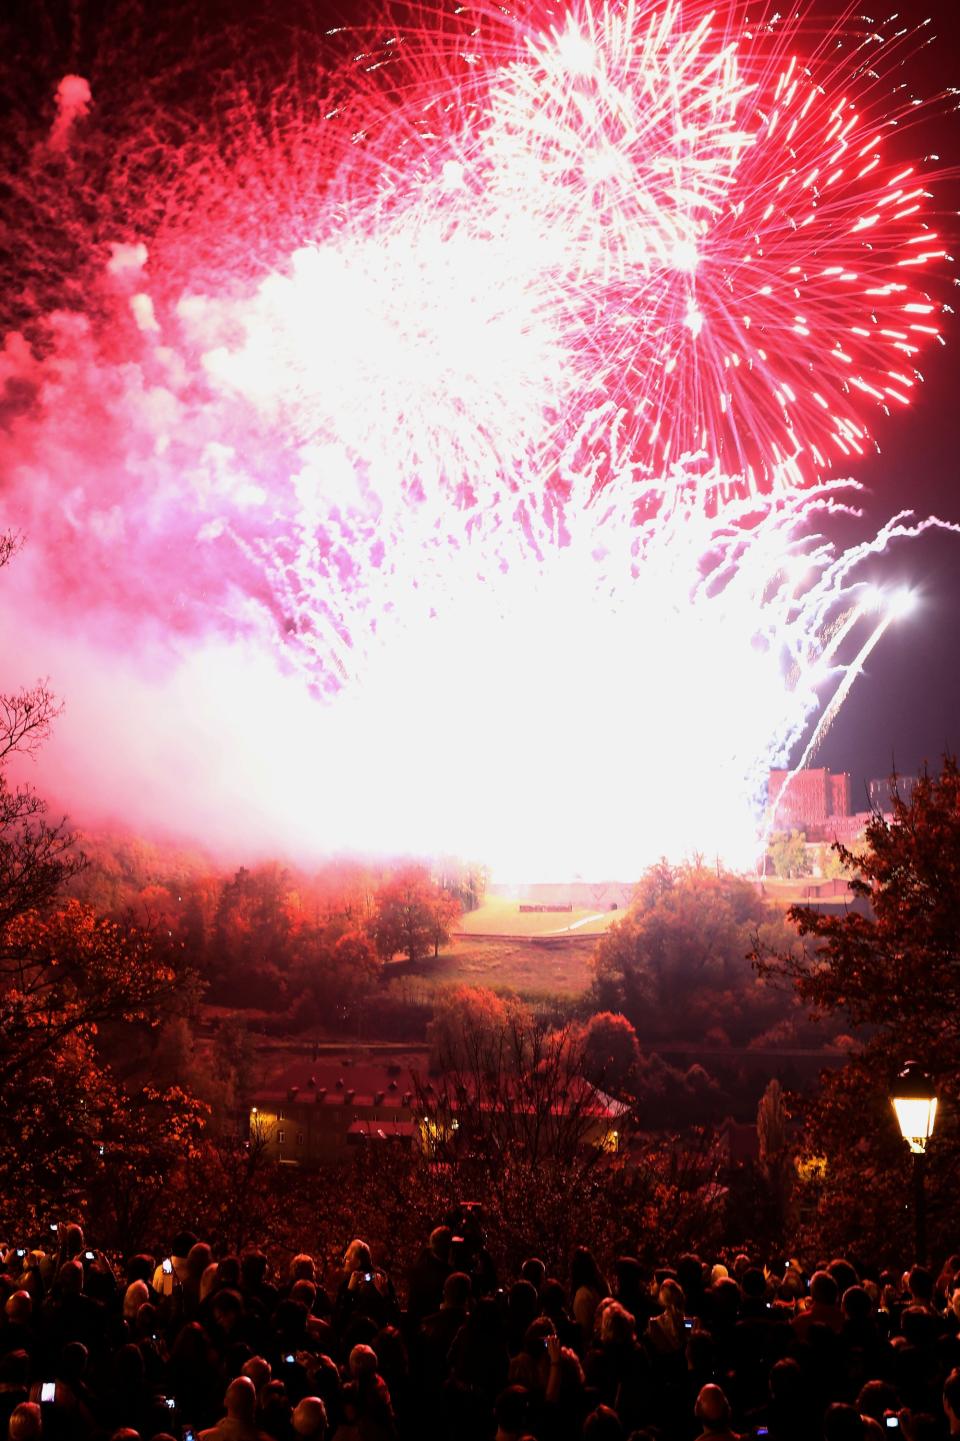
(889,968)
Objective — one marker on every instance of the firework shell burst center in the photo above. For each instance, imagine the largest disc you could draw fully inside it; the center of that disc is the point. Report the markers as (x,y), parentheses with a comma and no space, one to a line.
(541,408)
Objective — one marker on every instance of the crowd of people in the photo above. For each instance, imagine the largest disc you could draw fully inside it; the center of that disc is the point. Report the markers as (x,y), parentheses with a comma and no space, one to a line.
(199,1347)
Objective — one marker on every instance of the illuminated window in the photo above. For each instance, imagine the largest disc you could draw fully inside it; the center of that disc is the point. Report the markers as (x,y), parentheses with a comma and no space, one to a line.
(281,1135)
(299,1138)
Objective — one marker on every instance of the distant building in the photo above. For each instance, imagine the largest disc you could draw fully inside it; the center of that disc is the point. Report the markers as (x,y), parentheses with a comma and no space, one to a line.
(881,792)
(845,829)
(840,793)
(819,802)
(806,800)
(313,1115)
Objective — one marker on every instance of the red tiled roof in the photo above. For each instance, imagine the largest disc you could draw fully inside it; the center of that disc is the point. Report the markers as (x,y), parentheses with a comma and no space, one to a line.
(336,1078)
(338,1084)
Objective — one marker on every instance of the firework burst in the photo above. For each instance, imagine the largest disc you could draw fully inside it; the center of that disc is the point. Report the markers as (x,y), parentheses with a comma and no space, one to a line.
(527,349)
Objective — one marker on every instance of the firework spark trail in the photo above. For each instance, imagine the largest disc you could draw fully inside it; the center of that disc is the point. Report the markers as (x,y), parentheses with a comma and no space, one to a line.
(542,413)
(720,239)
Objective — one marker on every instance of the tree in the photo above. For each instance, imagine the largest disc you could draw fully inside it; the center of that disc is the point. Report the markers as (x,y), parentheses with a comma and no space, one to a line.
(355,962)
(69,981)
(466,1020)
(775,1156)
(36,857)
(252,934)
(890,967)
(408,915)
(894,962)
(445,908)
(332,973)
(788,853)
(829,864)
(610,1051)
(145,1135)
(516,1088)
(233,1061)
(467,881)
(677,963)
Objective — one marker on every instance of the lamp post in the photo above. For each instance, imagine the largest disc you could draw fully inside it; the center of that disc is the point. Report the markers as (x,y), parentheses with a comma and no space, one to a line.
(915,1103)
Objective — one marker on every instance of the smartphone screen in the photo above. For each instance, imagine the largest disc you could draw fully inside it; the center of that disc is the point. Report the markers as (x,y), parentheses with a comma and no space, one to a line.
(48,1391)
(167,1267)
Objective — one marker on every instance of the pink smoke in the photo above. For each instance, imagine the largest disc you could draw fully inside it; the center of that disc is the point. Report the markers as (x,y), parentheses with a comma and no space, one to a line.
(73,100)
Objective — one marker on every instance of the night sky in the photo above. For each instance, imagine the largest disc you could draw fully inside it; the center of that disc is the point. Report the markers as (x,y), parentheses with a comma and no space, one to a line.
(905,708)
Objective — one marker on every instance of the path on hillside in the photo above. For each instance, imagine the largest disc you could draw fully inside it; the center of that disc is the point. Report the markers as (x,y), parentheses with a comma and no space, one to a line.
(583,921)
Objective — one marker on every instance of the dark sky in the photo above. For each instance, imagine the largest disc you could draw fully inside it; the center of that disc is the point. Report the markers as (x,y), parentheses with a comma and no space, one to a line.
(905,708)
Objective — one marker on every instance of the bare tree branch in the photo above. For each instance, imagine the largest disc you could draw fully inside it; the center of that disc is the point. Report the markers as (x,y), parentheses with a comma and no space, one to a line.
(25,718)
(10,543)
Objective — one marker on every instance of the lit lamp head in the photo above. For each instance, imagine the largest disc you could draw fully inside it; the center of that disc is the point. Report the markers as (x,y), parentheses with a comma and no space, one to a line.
(916,1106)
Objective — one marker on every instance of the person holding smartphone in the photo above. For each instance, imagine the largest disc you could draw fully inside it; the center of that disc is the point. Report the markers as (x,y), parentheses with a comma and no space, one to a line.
(364,1291)
(173,1270)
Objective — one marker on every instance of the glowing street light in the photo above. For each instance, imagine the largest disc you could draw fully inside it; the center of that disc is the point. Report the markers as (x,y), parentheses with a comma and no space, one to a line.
(915,1103)
(916,1106)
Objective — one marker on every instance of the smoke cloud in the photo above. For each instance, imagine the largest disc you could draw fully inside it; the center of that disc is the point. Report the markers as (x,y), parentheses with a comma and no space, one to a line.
(73,101)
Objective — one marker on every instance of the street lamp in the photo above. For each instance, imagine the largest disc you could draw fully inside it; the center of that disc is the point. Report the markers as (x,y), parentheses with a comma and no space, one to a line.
(915,1103)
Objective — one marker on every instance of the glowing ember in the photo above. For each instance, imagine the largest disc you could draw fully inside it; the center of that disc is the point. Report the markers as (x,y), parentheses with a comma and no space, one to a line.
(506,440)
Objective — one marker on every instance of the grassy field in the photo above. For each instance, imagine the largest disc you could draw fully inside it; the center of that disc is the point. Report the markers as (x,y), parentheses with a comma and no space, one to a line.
(499,917)
(531,970)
